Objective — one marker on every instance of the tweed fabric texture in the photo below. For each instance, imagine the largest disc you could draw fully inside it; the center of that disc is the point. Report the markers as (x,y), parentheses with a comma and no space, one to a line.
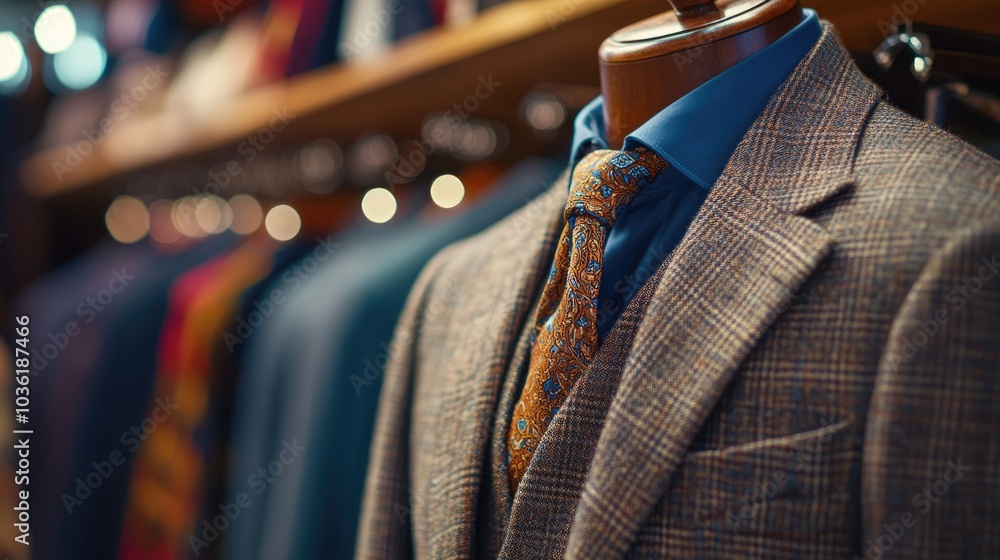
(565,334)
(814,374)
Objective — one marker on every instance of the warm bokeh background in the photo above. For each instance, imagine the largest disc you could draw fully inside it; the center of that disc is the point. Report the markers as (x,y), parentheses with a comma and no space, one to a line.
(121,120)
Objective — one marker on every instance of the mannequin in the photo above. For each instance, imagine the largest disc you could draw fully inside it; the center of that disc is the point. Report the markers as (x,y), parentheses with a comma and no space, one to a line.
(650,64)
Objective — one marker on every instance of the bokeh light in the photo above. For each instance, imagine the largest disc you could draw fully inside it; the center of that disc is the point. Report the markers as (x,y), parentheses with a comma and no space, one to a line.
(161,226)
(545,114)
(184,216)
(447,191)
(379,205)
(82,64)
(127,219)
(247,214)
(55,29)
(282,222)
(11,56)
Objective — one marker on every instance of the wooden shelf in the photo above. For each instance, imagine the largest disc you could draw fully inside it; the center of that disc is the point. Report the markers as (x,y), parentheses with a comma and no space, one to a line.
(520,44)
(860,23)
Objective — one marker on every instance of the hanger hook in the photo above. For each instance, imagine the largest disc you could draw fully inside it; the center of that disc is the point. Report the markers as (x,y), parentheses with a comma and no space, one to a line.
(917,43)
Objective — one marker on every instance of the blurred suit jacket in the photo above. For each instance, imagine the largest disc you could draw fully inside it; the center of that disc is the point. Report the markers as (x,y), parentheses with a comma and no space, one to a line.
(812,373)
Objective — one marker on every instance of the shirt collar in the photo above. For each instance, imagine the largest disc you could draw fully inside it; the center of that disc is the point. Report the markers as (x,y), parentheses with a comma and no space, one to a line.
(698,133)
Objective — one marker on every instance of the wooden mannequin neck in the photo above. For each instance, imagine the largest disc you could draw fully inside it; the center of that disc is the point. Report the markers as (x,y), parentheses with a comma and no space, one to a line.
(649,65)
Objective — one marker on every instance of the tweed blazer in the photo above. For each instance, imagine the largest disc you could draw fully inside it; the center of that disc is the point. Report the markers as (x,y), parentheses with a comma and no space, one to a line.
(812,373)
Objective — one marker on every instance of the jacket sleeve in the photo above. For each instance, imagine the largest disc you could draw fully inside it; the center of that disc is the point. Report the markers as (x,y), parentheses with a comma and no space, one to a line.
(385,531)
(930,485)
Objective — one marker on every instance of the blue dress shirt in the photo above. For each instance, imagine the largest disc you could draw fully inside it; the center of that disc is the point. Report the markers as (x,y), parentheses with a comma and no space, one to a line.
(697,135)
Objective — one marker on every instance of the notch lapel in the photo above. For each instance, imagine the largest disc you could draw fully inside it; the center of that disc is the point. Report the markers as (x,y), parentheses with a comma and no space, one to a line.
(494,302)
(745,257)
(738,269)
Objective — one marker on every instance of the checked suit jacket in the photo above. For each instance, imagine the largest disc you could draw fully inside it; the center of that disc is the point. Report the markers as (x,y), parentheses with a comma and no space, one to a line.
(812,373)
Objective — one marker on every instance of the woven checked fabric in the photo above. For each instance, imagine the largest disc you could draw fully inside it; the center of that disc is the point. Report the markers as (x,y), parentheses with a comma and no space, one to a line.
(777,395)
(565,336)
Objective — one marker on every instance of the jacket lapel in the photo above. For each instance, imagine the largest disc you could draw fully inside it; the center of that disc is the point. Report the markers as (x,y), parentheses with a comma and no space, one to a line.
(495,507)
(499,298)
(740,265)
(546,500)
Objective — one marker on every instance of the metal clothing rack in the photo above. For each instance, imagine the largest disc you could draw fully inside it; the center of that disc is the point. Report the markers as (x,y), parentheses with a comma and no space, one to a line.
(953,65)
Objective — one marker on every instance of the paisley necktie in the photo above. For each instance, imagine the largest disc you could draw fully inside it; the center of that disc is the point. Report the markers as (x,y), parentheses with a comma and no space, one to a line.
(565,336)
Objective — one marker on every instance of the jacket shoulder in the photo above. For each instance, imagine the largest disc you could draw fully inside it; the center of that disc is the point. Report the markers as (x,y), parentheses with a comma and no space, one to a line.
(919,169)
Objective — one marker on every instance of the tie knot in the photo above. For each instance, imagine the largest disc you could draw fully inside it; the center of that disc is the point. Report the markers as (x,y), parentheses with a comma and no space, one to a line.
(605,181)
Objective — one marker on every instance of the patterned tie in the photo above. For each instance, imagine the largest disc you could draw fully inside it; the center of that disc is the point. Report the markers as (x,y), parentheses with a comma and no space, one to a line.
(565,335)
